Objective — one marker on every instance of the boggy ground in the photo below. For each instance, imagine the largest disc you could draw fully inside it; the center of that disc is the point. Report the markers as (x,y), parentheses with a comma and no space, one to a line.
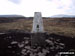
(19,44)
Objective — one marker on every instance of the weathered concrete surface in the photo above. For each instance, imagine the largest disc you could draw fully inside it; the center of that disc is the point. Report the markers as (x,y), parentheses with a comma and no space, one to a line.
(38,39)
(37,23)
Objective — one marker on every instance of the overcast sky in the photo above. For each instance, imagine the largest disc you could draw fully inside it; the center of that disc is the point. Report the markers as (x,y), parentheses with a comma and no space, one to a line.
(28,7)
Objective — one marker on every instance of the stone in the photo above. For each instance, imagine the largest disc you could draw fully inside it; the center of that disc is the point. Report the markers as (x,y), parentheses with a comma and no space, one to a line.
(38,34)
(39,39)
(37,23)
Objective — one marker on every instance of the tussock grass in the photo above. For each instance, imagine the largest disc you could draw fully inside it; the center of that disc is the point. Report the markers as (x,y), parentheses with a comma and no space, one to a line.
(49,26)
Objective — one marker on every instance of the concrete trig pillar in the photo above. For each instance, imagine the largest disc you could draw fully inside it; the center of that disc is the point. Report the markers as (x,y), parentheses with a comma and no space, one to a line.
(38,34)
(37,23)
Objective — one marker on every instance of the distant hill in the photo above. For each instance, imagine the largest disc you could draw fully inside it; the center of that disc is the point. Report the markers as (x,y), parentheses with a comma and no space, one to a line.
(11,16)
(62,15)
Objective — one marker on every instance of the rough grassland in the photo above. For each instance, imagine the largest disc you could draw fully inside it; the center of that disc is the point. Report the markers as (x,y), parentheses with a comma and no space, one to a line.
(50,26)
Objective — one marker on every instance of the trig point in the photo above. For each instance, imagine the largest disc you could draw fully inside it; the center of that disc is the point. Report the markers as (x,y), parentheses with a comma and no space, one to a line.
(38,34)
(37,23)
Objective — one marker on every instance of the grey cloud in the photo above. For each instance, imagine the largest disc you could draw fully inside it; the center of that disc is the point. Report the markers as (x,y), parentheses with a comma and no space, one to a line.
(60,7)
(15,1)
(73,4)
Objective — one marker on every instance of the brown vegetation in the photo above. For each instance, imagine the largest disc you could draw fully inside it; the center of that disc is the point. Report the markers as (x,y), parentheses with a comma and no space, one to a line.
(62,26)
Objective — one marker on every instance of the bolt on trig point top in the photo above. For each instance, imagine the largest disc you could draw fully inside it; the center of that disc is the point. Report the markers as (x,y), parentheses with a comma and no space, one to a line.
(37,23)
